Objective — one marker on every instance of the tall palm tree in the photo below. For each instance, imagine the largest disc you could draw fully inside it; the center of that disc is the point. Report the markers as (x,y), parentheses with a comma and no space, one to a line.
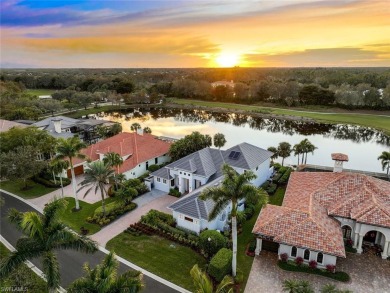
(234,188)
(204,284)
(284,150)
(58,166)
(219,140)
(135,126)
(69,149)
(44,235)
(297,149)
(273,150)
(385,160)
(113,159)
(97,175)
(104,278)
(306,147)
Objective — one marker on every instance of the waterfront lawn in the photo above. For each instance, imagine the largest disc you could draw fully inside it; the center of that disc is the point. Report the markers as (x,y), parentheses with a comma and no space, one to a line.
(40,92)
(160,256)
(380,122)
(76,220)
(277,197)
(34,189)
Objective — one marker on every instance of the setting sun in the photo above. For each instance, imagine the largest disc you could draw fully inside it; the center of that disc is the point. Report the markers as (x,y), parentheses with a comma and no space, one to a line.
(227,60)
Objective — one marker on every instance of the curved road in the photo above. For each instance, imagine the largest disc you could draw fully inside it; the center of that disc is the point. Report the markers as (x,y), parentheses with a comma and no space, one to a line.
(71,262)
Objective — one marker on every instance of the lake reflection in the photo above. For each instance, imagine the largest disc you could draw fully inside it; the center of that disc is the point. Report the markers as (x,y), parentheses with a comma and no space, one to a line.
(363,145)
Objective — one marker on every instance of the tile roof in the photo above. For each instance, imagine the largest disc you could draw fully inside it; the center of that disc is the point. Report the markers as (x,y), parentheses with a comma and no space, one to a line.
(6,125)
(339,157)
(132,147)
(312,198)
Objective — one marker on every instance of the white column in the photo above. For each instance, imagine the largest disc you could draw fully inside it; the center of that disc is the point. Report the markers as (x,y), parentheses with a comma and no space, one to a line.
(359,247)
(259,243)
(385,248)
(355,240)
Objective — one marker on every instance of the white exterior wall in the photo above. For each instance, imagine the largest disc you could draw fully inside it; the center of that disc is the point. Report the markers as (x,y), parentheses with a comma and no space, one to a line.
(161,185)
(263,173)
(195,225)
(140,169)
(327,259)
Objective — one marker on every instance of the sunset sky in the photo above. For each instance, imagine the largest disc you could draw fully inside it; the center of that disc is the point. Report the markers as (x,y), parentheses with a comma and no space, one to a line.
(97,33)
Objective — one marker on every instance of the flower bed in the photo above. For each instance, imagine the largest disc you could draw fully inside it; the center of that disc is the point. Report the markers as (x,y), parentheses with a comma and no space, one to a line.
(292,266)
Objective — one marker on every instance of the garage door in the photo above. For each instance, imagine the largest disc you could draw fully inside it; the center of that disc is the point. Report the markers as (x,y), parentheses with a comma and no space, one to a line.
(77,171)
(270,246)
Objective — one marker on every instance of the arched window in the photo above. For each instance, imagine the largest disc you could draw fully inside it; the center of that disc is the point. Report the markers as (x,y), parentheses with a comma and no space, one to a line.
(293,251)
(306,255)
(347,232)
(320,257)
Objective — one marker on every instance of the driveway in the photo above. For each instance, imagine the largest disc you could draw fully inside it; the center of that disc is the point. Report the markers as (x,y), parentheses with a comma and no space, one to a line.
(369,274)
(156,200)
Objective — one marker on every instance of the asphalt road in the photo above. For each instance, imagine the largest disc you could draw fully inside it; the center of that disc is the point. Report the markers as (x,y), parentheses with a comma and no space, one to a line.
(71,262)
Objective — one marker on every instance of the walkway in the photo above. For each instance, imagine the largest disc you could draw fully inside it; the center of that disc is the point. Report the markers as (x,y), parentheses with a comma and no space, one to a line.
(152,200)
(369,274)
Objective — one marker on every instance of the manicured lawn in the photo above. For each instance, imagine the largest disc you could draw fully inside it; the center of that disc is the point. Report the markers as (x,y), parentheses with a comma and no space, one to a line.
(277,197)
(23,276)
(40,92)
(380,122)
(160,256)
(76,220)
(34,189)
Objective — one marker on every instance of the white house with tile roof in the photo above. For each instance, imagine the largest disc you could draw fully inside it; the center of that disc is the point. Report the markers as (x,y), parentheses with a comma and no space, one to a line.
(322,210)
(203,169)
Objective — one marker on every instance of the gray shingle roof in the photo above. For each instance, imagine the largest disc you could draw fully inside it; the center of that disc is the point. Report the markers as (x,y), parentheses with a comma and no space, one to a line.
(162,173)
(251,156)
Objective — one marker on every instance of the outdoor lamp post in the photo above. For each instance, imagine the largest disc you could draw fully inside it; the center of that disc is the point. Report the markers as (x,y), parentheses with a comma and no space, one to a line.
(208,246)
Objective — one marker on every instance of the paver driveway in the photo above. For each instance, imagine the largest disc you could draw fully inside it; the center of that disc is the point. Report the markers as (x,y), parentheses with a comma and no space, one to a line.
(369,274)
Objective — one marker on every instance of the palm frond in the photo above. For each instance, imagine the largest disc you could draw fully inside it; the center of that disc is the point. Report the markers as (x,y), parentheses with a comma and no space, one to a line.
(15,217)
(219,206)
(226,285)
(32,225)
(51,269)
(201,281)
(76,242)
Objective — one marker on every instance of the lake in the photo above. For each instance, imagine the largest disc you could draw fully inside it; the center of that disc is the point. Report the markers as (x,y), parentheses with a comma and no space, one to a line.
(363,145)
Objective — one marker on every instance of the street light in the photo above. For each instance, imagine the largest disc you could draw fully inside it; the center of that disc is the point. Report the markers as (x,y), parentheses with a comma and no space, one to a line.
(208,246)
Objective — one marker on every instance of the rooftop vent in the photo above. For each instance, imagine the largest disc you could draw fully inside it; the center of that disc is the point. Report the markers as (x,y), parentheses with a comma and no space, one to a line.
(234,155)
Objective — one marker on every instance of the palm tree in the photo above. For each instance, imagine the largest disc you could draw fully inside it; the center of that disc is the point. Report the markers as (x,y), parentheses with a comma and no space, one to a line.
(204,284)
(135,126)
(297,149)
(330,288)
(58,166)
(113,159)
(104,278)
(273,150)
(44,235)
(306,147)
(219,140)
(284,150)
(385,160)
(234,188)
(297,286)
(68,149)
(97,175)
(147,129)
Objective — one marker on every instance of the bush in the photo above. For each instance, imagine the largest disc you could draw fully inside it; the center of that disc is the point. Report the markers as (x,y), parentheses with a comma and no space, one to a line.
(154,216)
(276,178)
(265,185)
(174,192)
(299,261)
(239,278)
(277,166)
(312,264)
(221,264)
(331,268)
(252,245)
(153,168)
(285,177)
(284,257)
(49,183)
(109,207)
(111,213)
(137,184)
(211,247)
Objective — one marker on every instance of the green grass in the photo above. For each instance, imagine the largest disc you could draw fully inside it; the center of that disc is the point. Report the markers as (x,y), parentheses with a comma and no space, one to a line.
(277,197)
(21,277)
(40,92)
(34,189)
(160,256)
(76,220)
(374,121)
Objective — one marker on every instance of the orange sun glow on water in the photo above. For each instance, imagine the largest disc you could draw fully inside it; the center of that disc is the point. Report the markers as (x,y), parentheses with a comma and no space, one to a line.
(227,60)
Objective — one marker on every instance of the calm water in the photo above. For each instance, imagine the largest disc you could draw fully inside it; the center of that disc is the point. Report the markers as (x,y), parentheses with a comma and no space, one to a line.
(363,145)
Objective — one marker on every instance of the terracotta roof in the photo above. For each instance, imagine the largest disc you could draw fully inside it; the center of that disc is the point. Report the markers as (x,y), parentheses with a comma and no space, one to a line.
(6,125)
(339,157)
(311,199)
(133,148)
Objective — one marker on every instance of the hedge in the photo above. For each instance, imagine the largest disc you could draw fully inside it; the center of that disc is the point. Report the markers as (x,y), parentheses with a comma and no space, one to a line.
(153,168)
(291,266)
(217,241)
(221,264)
(174,192)
(111,215)
(49,183)
(154,216)
(285,176)
(109,208)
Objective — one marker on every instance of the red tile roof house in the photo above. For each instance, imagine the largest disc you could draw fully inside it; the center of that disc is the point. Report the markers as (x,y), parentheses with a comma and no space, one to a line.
(322,209)
(138,150)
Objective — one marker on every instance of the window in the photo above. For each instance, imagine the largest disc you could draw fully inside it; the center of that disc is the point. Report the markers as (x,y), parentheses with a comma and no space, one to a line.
(164,181)
(293,251)
(257,168)
(155,161)
(306,255)
(320,257)
(188,219)
(173,182)
(147,165)
(347,232)
(158,180)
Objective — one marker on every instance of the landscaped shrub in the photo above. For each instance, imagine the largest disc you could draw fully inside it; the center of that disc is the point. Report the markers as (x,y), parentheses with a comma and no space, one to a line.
(271,188)
(265,185)
(217,241)
(276,178)
(282,170)
(154,216)
(299,261)
(277,166)
(111,214)
(153,168)
(137,184)
(312,264)
(331,268)
(221,264)
(284,257)
(252,245)
(174,192)
(285,176)
(50,183)
(109,207)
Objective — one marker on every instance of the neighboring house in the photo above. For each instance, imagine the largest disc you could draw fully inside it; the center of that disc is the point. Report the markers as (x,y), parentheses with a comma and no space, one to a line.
(45,97)
(65,127)
(223,83)
(323,210)
(138,151)
(6,125)
(204,168)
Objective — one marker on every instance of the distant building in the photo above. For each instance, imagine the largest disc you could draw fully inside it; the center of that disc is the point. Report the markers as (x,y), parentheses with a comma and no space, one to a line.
(223,83)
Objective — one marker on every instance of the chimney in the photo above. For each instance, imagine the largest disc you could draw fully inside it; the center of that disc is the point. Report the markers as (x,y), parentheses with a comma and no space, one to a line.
(140,131)
(339,159)
(57,125)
